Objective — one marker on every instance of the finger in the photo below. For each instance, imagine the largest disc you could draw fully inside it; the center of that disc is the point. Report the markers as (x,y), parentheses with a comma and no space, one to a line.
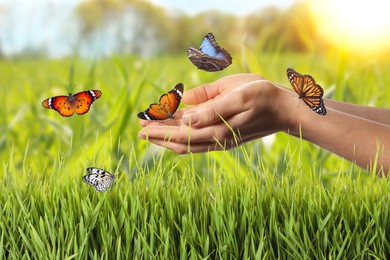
(159,123)
(167,122)
(175,121)
(183,148)
(183,134)
(157,131)
(176,133)
(213,112)
(144,123)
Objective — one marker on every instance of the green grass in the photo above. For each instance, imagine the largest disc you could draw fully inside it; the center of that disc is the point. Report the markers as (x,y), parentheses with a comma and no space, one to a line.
(174,212)
(287,199)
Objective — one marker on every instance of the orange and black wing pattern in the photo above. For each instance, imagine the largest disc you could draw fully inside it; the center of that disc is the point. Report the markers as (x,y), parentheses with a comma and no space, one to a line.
(307,89)
(83,100)
(166,107)
(79,103)
(59,103)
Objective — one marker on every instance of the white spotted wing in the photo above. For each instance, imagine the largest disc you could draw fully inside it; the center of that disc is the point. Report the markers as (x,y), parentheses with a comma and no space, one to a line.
(99,178)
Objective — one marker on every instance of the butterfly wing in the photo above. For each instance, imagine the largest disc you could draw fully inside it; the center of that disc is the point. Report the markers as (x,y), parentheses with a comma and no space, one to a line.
(209,46)
(99,178)
(307,89)
(312,95)
(62,104)
(83,100)
(296,80)
(210,56)
(154,112)
(167,106)
(67,105)
(170,102)
(316,104)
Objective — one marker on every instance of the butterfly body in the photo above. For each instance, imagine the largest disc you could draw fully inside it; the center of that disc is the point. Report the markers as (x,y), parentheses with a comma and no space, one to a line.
(166,107)
(307,90)
(79,103)
(210,56)
(98,178)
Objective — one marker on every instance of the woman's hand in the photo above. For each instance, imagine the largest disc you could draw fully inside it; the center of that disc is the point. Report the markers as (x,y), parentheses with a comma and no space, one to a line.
(243,107)
(226,113)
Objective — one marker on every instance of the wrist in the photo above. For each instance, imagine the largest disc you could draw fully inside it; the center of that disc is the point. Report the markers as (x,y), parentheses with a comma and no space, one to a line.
(287,110)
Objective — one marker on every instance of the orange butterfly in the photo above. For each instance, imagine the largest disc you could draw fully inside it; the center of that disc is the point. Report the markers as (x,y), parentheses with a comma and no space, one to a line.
(167,106)
(79,103)
(307,89)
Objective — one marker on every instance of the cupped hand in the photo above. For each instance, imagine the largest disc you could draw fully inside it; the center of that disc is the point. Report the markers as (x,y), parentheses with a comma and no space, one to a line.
(224,114)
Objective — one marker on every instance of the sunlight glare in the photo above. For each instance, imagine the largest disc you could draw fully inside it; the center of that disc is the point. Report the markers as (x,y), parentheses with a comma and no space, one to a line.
(361,26)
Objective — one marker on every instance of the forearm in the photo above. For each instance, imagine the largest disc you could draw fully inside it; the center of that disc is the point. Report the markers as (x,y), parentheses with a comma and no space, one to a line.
(354,138)
(379,115)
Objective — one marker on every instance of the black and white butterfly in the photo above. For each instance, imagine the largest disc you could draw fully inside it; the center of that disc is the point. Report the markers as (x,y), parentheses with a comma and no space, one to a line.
(210,56)
(99,178)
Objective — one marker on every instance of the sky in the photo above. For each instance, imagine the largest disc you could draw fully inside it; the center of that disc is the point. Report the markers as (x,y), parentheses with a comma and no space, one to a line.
(36,23)
(239,7)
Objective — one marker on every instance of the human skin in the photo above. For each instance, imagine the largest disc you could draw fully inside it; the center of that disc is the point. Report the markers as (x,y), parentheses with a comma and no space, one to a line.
(255,107)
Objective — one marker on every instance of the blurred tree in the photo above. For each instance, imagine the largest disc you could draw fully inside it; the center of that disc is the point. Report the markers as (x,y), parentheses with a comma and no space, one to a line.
(222,25)
(3,35)
(152,28)
(181,33)
(1,40)
(96,17)
(125,26)
(298,28)
(141,27)
(137,26)
(272,29)
(93,13)
(260,25)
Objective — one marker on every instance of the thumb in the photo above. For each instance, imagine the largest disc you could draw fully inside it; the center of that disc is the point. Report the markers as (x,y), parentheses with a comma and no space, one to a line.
(201,94)
(212,90)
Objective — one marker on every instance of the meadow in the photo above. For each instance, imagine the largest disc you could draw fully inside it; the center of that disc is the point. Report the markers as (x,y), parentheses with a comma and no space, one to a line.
(275,198)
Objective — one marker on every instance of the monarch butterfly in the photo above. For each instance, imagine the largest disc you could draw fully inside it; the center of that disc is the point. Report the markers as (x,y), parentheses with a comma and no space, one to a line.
(167,106)
(98,178)
(210,56)
(307,89)
(79,103)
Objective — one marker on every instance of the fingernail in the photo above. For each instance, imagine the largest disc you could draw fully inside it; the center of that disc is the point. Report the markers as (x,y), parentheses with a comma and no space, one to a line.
(190,118)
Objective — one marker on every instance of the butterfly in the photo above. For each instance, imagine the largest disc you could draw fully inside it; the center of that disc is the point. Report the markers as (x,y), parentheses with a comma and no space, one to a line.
(307,89)
(98,178)
(210,56)
(79,103)
(167,106)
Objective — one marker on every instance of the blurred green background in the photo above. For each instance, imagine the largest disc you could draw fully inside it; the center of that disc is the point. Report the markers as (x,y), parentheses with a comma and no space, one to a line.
(278,197)
(133,51)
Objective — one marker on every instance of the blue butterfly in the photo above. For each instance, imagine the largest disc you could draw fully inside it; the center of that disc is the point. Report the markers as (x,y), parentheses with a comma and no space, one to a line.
(210,56)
